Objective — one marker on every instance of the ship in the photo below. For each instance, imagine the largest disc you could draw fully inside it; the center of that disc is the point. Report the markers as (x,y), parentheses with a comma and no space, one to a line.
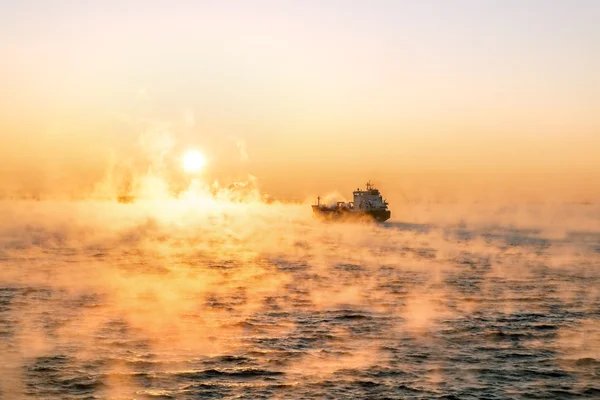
(367,204)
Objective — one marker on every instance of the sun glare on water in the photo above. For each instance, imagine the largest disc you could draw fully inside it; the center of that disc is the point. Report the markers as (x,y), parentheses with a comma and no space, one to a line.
(193,161)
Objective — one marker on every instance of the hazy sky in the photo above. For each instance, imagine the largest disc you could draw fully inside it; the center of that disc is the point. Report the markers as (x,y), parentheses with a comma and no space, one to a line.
(319,94)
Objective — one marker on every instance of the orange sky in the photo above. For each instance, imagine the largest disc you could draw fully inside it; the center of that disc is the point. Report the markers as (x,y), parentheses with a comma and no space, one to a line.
(435,100)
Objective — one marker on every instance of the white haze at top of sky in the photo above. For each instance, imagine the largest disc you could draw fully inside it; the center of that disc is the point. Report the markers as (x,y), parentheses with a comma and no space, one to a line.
(451,54)
(532,45)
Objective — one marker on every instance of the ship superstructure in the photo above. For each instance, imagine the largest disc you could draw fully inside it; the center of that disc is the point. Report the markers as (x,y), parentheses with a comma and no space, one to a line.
(367,203)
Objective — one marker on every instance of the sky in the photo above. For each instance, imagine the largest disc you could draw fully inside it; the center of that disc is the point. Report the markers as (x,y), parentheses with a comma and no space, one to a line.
(435,100)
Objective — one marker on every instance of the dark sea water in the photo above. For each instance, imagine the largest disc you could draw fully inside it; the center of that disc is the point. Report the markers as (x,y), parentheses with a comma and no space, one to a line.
(100,301)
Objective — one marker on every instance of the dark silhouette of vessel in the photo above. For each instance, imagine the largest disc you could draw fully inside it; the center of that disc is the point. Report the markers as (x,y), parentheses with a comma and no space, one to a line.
(367,204)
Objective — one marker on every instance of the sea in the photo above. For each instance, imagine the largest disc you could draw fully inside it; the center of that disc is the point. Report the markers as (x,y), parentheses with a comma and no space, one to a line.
(202,300)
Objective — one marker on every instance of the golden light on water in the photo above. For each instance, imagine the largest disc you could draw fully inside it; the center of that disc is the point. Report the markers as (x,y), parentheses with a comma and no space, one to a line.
(193,161)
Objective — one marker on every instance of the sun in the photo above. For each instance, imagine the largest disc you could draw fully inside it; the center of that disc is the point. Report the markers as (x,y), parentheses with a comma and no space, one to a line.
(193,161)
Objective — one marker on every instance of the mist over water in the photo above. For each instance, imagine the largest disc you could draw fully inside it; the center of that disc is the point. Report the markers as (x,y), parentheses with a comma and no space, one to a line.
(205,298)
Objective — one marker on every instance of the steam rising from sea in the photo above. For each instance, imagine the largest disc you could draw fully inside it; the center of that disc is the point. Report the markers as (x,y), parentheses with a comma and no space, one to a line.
(201,290)
(234,298)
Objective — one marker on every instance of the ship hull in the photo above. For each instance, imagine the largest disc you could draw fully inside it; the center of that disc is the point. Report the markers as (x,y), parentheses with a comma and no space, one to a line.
(337,214)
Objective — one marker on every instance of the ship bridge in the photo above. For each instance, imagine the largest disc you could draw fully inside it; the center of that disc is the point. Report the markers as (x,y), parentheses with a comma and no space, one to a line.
(369,199)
